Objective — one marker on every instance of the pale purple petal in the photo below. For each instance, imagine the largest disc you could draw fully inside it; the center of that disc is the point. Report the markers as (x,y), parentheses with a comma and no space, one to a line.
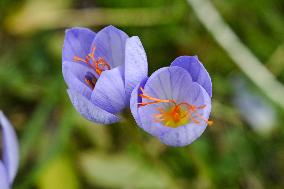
(136,65)
(184,135)
(196,70)
(77,42)
(164,82)
(110,44)
(10,148)
(109,92)
(89,110)
(4,183)
(74,74)
(135,99)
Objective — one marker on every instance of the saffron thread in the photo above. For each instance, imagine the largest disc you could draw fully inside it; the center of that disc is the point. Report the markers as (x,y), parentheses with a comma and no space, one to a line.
(98,65)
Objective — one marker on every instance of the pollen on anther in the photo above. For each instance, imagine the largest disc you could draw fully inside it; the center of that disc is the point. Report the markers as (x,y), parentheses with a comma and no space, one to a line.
(98,65)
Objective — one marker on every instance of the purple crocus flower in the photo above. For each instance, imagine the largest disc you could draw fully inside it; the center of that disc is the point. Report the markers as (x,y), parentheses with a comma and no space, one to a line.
(10,154)
(174,103)
(101,69)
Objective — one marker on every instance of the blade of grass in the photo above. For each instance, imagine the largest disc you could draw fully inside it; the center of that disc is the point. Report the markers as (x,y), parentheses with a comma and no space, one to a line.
(242,56)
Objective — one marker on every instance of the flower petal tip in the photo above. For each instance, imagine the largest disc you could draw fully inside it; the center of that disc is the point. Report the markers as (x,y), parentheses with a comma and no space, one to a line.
(196,69)
(136,65)
(10,147)
(88,110)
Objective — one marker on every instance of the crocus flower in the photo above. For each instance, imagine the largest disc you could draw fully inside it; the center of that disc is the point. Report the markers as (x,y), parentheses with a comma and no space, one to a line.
(174,103)
(10,154)
(101,69)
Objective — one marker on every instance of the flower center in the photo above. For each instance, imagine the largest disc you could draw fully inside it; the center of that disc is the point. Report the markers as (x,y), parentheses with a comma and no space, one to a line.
(175,115)
(98,65)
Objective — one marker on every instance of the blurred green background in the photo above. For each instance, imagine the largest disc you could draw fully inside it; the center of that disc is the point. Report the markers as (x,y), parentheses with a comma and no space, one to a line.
(59,149)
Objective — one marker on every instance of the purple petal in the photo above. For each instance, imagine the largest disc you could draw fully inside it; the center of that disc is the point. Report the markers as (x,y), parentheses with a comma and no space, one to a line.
(135,99)
(110,44)
(74,74)
(164,82)
(77,42)
(136,66)
(89,110)
(4,184)
(109,92)
(196,70)
(184,135)
(10,148)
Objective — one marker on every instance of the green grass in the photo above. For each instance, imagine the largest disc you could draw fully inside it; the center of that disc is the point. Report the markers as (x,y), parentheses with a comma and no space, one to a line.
(59,149)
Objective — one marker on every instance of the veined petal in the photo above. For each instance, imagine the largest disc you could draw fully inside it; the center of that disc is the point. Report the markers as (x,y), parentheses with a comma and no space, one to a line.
(196,70)
(89,110)
(109,91)
(135,99)
(110,44)
(4,183)
(136,65)
(10,148)
(164,82)
(74,74)
(184,135)
(77,42)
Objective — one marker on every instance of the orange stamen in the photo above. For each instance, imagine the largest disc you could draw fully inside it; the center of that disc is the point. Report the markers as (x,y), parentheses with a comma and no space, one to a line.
(89,83)
(98,66)
(194,108)
(78,59)
(176,113)
(155,100)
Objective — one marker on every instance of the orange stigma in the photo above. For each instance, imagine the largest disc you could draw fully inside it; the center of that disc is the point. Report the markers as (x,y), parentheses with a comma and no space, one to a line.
(98,65)
(175,115)
(90,80)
